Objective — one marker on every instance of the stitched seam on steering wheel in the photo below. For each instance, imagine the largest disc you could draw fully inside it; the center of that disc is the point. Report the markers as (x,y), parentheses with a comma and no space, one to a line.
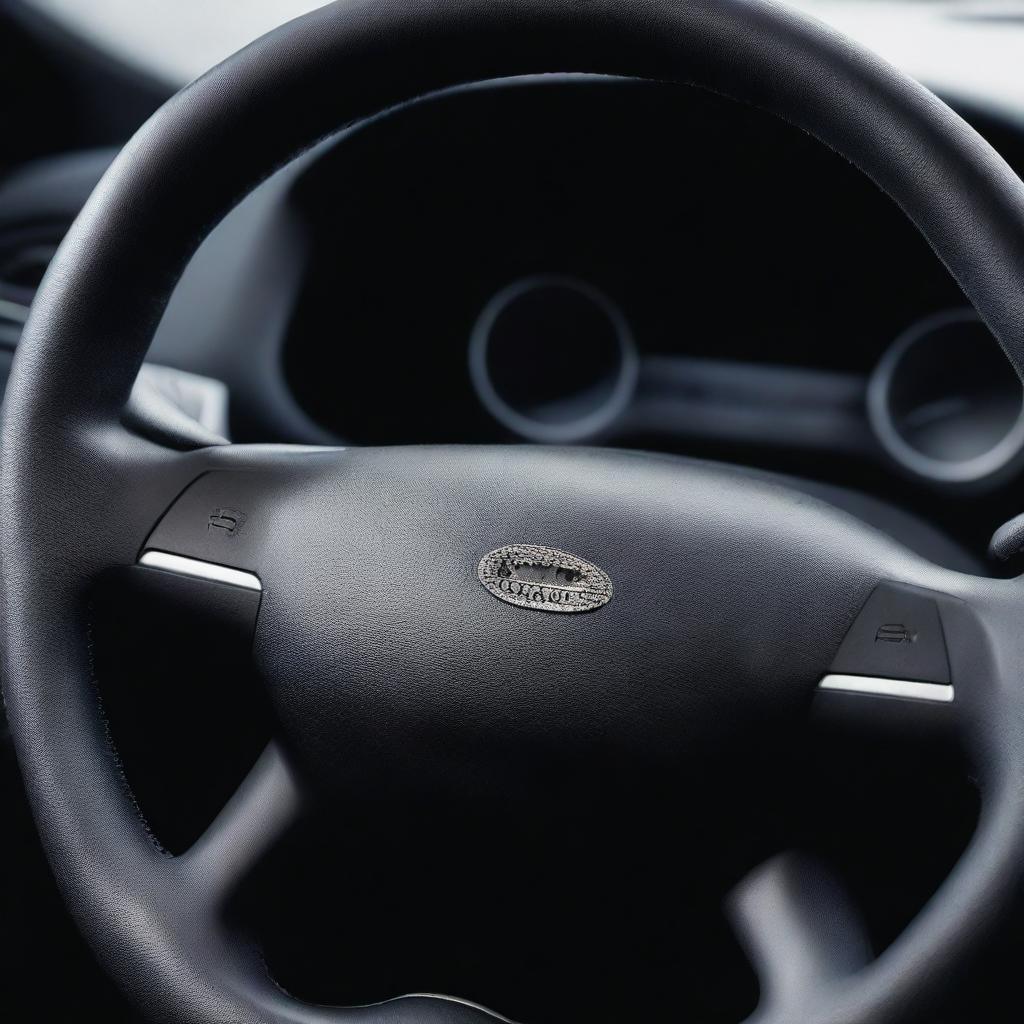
(111,745)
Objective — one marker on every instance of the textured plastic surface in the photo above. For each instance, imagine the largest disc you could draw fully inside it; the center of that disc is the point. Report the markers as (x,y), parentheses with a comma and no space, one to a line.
(897,635)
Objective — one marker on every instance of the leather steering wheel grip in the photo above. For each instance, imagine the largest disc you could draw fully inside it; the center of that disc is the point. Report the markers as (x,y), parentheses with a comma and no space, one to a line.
(80,492)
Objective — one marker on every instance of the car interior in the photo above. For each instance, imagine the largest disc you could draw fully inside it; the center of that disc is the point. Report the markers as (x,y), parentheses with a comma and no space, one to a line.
(696,318)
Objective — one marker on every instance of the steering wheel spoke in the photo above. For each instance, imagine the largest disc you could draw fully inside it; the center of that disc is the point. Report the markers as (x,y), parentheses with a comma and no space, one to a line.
(801,932)
(262,811)
(930,661)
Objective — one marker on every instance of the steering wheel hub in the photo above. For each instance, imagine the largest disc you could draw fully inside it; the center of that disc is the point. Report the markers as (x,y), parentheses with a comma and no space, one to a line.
(385,657)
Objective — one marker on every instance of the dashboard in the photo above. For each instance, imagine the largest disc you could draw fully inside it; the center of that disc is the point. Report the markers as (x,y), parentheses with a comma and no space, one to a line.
(578,259)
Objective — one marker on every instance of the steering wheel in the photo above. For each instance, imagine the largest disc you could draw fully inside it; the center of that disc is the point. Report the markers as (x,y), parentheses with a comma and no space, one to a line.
(381,651)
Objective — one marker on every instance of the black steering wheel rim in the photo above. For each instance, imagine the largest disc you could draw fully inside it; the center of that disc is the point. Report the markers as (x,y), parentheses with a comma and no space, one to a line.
(82,493)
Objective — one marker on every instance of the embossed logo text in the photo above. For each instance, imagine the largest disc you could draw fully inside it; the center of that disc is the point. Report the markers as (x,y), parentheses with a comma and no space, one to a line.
(547,579)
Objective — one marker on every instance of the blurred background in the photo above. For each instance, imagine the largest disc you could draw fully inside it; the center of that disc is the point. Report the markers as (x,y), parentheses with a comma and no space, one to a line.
(174,42)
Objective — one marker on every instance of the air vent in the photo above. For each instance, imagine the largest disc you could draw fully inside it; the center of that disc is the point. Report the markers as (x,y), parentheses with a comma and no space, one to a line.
(25,253)
(38,202)
(13,315)
(23,268)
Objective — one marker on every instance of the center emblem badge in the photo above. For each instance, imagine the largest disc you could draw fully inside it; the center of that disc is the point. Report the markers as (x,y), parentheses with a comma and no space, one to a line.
(546,579)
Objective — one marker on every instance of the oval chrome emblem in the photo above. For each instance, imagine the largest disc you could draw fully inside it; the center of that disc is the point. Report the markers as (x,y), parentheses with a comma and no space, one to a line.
(547,579)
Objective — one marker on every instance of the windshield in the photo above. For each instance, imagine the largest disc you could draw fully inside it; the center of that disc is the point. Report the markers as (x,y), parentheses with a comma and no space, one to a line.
(970,46)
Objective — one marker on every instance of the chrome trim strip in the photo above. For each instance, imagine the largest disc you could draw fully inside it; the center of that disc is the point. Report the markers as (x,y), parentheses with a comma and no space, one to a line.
(874,686)
(450,999)
(199,569)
